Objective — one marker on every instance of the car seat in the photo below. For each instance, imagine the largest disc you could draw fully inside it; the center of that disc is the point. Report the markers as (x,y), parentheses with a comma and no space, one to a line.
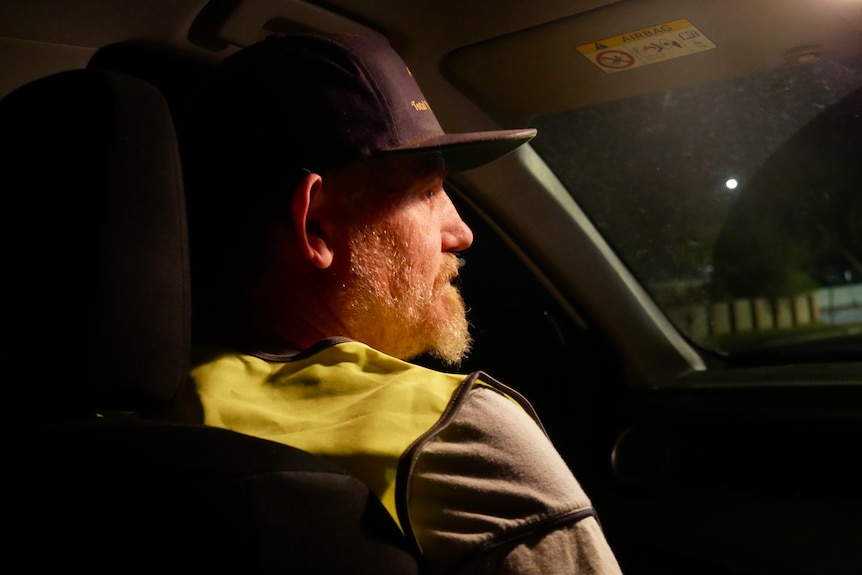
(97,314)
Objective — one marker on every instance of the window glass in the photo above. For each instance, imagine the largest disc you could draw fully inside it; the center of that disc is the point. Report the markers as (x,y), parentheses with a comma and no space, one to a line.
(738,204)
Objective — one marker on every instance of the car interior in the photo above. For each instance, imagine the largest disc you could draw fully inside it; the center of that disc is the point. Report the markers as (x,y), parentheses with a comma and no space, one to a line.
(671,273)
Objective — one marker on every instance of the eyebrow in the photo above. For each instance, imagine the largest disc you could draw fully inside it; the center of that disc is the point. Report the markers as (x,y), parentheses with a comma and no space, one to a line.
(427,167)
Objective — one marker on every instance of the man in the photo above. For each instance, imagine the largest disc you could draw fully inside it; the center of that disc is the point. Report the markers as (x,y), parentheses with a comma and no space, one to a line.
(323,244)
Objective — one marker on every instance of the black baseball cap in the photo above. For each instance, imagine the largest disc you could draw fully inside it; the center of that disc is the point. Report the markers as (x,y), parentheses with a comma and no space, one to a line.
(321,101)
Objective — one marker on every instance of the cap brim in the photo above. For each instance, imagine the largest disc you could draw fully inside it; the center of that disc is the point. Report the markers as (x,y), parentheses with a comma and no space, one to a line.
(473,149)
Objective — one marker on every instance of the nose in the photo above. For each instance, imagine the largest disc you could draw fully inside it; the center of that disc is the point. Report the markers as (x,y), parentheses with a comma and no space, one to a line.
(455,234)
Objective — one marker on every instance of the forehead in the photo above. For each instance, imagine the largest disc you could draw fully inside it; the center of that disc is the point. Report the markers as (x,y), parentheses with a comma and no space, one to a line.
(387,177)
(402,171)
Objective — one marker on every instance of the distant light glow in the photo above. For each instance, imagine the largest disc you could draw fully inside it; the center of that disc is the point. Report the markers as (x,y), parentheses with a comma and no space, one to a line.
(731,184)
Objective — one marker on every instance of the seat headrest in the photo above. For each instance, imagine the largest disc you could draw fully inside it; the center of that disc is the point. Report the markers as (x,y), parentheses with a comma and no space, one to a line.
(96,291)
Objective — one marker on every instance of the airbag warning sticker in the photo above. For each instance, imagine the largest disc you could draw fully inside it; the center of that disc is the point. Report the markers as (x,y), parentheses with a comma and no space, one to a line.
(646,46)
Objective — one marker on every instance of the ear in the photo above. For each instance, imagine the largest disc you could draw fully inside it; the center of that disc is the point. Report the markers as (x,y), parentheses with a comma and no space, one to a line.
(307,213)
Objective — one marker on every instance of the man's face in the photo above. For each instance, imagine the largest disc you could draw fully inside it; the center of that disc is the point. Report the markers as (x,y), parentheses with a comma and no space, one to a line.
(397,291)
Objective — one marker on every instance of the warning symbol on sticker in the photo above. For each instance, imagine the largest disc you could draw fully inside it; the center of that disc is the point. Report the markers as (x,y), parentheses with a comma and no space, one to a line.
(646,46)
(615,59)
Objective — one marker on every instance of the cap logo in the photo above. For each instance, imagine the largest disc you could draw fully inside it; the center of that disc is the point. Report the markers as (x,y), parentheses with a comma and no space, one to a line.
(420,106)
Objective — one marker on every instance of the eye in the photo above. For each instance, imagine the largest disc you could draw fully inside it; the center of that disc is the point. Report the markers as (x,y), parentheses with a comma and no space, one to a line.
(430,193)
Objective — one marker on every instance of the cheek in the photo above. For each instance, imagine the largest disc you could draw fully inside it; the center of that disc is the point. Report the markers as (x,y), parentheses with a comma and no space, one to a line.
(407,244)
(424,254)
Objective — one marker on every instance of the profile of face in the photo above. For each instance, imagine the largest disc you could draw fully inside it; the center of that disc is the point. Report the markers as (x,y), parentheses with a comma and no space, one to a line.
(403,234)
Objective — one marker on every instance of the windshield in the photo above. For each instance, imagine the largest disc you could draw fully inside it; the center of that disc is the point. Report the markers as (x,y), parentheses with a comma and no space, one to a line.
(737,203)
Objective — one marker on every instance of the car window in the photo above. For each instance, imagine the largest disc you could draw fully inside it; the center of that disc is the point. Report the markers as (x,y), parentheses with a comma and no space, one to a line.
(737,203)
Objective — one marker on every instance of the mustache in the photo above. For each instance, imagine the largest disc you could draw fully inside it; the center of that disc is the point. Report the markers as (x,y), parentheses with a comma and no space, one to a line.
(449,271)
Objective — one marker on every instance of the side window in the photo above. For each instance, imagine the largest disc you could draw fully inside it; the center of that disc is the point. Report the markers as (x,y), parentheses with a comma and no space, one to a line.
(738,205)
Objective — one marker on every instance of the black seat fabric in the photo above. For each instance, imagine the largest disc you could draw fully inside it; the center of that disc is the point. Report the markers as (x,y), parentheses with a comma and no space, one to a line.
(97,287)
(96,309)
(135,496)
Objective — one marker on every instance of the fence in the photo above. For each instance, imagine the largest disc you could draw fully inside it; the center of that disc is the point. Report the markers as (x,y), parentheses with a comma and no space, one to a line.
(837,305)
